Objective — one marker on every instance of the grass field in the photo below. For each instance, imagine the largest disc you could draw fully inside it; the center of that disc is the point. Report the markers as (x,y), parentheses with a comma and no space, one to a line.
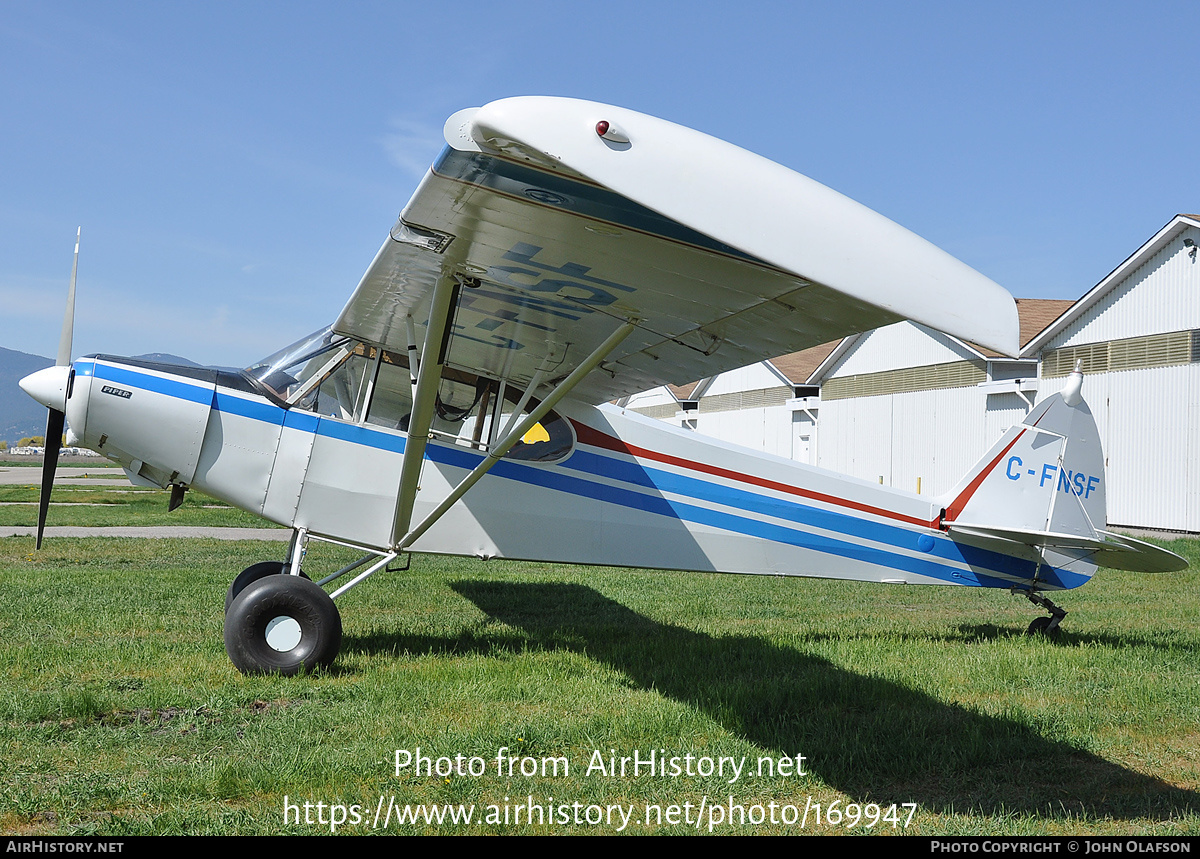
(120,504)
(120,713)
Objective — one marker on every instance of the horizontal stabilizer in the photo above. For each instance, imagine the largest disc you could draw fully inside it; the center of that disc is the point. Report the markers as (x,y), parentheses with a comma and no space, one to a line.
(1035,538)
(1138,556)
(1115,551)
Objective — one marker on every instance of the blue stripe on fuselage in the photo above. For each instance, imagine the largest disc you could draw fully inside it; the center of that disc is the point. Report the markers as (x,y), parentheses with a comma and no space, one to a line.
(171,387)
(355,434)
(258,410)
(657,480)
(782,508)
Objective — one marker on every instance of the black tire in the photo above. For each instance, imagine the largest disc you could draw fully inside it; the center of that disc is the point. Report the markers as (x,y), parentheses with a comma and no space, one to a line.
(252,574)
(299,618)
(1041,626)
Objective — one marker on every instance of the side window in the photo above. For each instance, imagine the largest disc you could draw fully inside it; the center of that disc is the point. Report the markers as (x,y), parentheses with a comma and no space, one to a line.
(345,391)
(461,401)
(359,383)
(391,399)
(341,394)
(549,440)
(470,412)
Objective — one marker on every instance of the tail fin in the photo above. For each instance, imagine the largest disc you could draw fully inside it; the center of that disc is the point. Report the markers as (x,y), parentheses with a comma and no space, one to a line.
(1042,485)
(1046,474)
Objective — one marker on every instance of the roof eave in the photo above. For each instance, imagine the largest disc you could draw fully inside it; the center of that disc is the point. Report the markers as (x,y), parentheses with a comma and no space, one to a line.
(1151,247)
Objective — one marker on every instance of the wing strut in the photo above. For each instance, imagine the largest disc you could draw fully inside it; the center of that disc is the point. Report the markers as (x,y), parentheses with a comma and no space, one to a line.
(429,377)
(502,447)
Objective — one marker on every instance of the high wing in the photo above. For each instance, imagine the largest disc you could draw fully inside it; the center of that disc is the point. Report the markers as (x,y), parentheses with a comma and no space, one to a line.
(561,220)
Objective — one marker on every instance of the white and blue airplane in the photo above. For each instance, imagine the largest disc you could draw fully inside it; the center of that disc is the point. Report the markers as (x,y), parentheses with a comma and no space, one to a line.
(559,255)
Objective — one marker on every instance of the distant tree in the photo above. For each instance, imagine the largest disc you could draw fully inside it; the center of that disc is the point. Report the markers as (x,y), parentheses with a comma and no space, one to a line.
(3,445)
(32,441)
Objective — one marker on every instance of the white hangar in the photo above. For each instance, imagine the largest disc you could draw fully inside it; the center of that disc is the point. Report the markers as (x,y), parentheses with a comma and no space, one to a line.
(914,408)
(1137,333)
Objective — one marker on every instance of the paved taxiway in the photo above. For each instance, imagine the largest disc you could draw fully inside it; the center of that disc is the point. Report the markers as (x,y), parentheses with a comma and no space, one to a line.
(30,475)
(115,478)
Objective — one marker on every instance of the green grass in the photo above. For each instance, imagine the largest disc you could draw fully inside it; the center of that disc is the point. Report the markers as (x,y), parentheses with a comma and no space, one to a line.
(121,504)
(120,713)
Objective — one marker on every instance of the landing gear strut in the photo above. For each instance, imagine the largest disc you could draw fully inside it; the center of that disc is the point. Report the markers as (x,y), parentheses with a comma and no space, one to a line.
(1047,626)
(277,621)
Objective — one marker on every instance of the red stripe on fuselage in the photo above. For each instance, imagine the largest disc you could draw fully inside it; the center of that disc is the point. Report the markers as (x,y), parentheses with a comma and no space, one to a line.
(595,438)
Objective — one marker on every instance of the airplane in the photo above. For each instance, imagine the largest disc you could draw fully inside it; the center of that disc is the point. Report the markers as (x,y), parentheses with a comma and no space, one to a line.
(559,255)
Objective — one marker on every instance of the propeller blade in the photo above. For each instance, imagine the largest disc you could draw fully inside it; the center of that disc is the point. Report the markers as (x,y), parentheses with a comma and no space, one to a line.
(64,340)
(54,431)
(56,420)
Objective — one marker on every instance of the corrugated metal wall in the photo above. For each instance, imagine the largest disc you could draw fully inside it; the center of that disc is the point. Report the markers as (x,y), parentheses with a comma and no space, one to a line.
(1166,299)
(903,405)
(1148,412)
(1149,423)
(655,403)
(933,436)
(768,429)
(904,344)
(751,378)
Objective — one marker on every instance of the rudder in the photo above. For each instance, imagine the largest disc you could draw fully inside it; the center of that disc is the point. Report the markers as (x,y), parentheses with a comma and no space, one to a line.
(1045,475)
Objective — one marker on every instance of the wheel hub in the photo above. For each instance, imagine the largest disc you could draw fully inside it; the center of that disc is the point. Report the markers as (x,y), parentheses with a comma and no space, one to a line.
(283,633)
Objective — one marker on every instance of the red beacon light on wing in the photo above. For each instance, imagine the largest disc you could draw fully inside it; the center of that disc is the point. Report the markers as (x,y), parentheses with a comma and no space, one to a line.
(611,131)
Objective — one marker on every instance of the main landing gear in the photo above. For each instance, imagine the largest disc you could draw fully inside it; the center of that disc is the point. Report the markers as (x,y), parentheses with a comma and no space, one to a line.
(277,621)
(252,574)
(282,624)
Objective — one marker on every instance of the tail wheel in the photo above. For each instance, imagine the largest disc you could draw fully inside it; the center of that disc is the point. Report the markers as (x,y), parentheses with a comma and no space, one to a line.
(1045,626)
(252,574)
(282,625)
(1041,626)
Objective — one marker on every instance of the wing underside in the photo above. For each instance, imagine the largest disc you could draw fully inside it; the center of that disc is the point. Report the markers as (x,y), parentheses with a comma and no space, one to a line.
(551,259)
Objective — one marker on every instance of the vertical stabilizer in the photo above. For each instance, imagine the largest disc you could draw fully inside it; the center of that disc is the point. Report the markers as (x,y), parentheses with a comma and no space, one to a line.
(1045,475)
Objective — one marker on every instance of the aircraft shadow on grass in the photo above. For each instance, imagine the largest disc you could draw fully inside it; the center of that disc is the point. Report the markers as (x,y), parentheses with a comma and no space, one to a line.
(873,739)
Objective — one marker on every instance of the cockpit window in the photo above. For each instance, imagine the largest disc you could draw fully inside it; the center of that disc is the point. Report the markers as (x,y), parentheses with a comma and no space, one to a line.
(340,378)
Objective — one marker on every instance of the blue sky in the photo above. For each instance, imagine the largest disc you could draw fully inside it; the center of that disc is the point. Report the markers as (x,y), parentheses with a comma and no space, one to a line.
(235,166)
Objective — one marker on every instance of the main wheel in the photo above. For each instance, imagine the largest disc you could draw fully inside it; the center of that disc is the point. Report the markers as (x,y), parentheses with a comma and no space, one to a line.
(252,574)
(282,625)
(1041,626)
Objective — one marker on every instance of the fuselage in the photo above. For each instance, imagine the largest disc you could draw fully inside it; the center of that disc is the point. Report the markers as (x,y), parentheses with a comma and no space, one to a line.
(625,490)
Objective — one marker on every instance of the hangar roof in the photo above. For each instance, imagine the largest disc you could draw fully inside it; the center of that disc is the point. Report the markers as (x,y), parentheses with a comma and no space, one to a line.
(1156,242)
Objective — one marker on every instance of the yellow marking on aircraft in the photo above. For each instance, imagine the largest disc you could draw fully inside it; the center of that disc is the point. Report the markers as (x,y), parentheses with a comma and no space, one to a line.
(536,433)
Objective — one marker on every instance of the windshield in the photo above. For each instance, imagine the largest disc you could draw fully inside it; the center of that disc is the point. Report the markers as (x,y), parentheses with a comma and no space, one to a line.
(294,372)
